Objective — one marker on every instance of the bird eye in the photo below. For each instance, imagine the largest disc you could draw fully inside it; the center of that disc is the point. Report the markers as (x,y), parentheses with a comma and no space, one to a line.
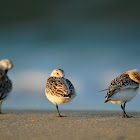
(57,73)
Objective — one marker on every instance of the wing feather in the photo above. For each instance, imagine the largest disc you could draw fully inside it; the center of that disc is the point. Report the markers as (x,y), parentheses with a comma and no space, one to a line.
(71,88)
(56,86)
(5,85)
(121,82)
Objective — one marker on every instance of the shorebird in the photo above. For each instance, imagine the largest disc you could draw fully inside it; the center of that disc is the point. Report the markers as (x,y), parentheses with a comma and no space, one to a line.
(59,89)
(5,82)
(123,89)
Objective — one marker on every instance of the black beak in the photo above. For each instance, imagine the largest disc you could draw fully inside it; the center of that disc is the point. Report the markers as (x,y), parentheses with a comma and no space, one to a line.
(6,71)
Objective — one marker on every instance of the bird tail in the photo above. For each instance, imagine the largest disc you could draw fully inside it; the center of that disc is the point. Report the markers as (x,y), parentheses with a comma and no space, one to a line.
(107,99)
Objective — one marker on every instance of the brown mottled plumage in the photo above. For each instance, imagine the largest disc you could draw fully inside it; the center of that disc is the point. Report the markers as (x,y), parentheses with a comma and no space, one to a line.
(123,81)
(123,88)
(57,86)
(59,89)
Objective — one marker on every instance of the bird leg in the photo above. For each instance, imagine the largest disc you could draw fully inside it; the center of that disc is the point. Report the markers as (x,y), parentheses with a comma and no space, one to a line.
(124,113)
(59,112)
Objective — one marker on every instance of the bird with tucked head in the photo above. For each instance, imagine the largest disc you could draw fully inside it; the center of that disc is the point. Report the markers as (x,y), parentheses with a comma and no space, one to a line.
(59,90)
(123,89)
(5,82)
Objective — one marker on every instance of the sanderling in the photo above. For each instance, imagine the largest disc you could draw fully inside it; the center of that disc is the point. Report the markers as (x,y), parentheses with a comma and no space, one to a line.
(59,89)
(5,82)
(123,89)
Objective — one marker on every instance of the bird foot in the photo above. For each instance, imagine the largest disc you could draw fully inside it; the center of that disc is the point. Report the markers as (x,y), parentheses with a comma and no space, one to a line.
(61,116)
(127,116)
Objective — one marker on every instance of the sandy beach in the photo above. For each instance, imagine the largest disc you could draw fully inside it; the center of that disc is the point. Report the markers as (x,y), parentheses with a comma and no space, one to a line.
(43,125)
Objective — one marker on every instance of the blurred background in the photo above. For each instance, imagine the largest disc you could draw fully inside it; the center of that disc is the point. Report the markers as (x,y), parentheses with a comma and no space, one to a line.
(93,41)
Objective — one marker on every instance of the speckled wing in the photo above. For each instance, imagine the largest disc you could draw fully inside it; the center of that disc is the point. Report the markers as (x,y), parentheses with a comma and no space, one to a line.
(71,88)
(5,85)
(121,82)
(58,86)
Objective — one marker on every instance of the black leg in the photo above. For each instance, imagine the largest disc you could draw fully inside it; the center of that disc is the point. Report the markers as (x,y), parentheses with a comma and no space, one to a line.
(124,113)
(59,112)
(124,109)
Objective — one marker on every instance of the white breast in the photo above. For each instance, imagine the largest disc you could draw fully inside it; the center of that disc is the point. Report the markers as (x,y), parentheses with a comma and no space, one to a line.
(58,100)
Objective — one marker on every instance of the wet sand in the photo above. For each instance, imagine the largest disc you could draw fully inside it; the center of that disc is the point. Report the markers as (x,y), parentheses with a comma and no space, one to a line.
(89,125)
